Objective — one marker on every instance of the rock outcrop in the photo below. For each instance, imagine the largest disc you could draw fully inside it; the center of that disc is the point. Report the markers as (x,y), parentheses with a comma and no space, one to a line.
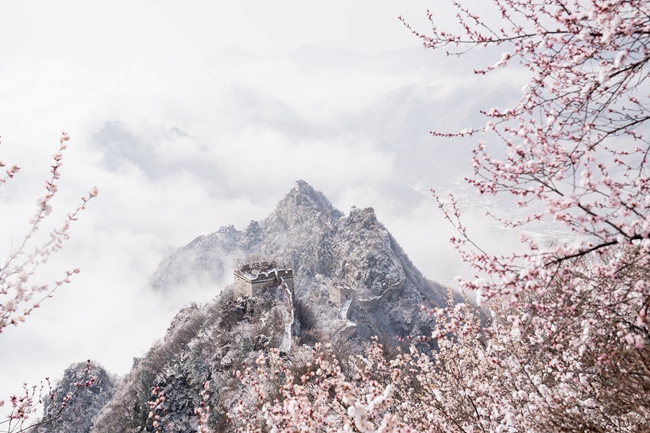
(77,399)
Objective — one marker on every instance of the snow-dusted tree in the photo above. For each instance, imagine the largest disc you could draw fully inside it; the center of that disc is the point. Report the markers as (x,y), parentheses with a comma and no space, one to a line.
(567,347)
(19,297)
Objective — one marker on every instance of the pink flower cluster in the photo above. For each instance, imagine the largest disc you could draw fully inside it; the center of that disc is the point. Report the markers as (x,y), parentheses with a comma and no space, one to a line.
(17,297)
(562,342)
(23,407)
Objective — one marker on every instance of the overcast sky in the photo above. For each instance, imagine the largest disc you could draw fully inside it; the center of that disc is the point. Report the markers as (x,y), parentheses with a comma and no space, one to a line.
(192,115)
(184,33)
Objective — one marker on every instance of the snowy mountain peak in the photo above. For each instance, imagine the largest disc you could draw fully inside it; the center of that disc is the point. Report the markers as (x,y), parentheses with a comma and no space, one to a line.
(352,281)
(303,197)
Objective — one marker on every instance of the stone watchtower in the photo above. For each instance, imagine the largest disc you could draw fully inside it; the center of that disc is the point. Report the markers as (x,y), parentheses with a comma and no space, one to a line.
(251,279)
(340,292)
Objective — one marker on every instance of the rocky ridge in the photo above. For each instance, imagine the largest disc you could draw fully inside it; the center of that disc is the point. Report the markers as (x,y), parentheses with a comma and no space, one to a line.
(325,248)
(380,294)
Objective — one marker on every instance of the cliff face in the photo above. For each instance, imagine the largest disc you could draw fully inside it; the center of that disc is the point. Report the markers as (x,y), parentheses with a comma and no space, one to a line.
(325,248)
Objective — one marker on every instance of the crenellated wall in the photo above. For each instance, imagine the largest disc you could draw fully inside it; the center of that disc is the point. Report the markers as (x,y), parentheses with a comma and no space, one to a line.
(251,279)
(340,292)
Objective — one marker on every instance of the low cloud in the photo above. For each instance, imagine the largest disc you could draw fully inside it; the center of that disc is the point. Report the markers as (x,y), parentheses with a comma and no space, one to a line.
(177,154)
